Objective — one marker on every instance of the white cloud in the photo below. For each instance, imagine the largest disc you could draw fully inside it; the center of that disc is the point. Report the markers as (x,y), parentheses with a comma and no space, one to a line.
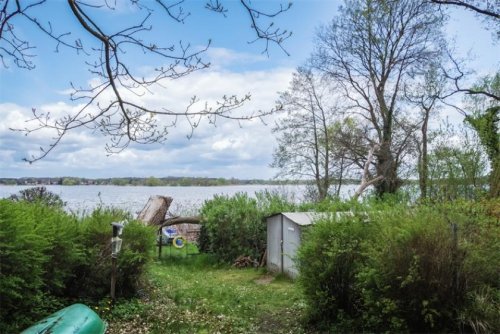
(228,149)
(220,58)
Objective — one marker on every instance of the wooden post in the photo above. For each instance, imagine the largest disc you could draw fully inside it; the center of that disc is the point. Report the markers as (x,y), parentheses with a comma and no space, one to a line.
(455,264)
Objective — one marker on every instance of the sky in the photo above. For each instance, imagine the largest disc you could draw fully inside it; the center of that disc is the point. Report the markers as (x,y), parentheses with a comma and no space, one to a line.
(228,149)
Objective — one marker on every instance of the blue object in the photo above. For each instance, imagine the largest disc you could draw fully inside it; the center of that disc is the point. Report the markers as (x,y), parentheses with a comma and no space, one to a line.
(170,232)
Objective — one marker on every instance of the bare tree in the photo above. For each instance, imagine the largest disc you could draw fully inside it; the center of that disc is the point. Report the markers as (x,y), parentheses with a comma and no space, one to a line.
(106,106)
(305,140)
(371,49)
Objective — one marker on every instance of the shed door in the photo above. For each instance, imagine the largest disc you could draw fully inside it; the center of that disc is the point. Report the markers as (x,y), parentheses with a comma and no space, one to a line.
(291,241)
(274,230)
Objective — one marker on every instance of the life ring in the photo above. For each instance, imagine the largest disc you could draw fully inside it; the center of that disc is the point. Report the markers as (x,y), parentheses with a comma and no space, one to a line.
(179,242)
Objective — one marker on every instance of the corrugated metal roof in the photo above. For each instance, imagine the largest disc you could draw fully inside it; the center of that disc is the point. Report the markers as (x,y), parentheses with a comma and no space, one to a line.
(305,218)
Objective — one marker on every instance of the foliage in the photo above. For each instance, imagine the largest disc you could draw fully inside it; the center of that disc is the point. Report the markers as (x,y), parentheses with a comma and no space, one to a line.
(95,236)
(234,226)
(48,257)
(329,204)
(425,269)
(330,257)
(485,121)
(457,166)
(272,202)
(38,194)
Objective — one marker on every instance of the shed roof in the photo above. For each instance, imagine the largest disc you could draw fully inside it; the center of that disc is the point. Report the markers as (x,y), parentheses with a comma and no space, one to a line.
(305,218)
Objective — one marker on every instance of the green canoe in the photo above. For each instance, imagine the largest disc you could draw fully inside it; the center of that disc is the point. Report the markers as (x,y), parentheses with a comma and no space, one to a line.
(74,319)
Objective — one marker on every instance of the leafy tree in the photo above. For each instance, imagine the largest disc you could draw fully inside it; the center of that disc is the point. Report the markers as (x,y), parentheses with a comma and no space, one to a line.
(457,166)
(153,181)
(484,116)
(105,105)
(70,181)
(371,49)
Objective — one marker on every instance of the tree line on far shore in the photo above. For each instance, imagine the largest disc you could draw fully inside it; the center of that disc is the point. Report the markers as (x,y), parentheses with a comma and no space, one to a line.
(148,181)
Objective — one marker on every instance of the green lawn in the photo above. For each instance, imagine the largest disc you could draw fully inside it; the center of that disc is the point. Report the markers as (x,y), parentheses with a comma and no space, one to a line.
(191,294)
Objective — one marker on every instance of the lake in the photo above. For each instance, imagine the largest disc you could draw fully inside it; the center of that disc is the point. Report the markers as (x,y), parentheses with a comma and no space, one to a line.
(187,200)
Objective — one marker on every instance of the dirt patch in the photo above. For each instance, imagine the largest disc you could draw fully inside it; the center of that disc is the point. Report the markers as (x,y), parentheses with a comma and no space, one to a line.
(266,279)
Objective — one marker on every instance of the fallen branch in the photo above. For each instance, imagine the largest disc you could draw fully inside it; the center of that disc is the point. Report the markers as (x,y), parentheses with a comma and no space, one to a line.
(181,220)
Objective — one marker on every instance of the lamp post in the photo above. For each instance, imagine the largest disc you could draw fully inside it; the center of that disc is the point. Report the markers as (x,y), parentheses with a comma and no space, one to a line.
(116,245)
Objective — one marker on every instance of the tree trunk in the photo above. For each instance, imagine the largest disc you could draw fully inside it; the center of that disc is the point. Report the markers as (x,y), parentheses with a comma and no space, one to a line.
(423,168)
(387,170)
(155,210)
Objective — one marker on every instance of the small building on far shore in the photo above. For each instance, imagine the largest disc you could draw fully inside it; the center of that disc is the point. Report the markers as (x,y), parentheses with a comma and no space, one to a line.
(284,234)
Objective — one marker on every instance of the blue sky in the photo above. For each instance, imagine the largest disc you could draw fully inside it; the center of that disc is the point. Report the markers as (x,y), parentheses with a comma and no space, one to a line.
(238,67)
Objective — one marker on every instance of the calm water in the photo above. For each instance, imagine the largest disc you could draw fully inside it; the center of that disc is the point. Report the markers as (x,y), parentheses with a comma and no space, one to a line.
(187,200)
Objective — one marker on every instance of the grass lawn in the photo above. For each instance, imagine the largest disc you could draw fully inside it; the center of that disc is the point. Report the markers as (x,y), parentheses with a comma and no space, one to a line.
(192,294)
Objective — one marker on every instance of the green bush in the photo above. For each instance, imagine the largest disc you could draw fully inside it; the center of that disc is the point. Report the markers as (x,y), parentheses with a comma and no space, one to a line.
(95,236)
(332,254)
(38,194)
(39,250)
(48,256)
(272,202)
(232,226)
(415,273)
(420,269)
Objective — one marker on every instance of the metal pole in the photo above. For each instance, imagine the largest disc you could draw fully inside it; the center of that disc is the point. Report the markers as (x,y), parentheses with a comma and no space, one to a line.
(115,248)
(113,278)
(160,243)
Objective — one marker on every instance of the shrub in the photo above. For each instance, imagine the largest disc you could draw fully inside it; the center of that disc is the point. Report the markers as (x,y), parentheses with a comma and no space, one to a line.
(272,202)
(232,226)
(95,236)
(415,273)
(38,194)
(330,257)
(38,249)
(48,256)
(420,269)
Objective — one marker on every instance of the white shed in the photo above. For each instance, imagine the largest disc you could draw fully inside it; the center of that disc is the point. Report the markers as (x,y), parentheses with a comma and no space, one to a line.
(284,232)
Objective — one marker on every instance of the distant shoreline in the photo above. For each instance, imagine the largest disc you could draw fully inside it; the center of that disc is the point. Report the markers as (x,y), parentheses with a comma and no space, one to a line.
(170,181)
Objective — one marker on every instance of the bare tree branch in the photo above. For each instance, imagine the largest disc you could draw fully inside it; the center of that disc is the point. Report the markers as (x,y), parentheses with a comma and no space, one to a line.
(491,11)
(111,106)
